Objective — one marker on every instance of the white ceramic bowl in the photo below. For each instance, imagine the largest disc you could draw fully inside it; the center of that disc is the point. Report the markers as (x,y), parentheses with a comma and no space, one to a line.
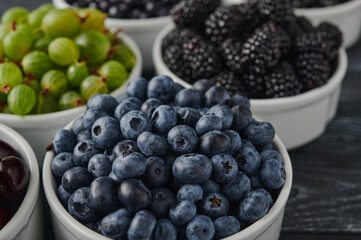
(298,119)
(39,130)
(27,223)
(143,31)
(66,227)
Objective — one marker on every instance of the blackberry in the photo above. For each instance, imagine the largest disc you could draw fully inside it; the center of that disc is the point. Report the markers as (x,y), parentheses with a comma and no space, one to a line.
(275,10)
(313,69)
(253,84)
(302,3)
(230,81)
(297,26)
(332,32)
(251,17)
(231,51)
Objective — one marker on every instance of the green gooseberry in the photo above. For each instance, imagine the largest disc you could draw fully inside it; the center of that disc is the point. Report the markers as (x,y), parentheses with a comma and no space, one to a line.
(92,85)
(45,104)
(1,50)
(33,83)
(114,72)
(21,99)
(54,83)
(37,63)
(46,7)
(94,46)
(42,43)
(92,19)
(10,76)
(18,14)
(63,51)
(61,23)
(70,99)
(17,43)
(4,30)
(76,73)
(125,55)
(36,16)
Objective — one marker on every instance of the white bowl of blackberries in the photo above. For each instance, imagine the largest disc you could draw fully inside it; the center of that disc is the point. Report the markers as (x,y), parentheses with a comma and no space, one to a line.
(167,162)
(291,70)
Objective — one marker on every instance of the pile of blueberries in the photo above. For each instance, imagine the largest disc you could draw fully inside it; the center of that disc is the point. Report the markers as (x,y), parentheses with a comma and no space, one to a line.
(166,162)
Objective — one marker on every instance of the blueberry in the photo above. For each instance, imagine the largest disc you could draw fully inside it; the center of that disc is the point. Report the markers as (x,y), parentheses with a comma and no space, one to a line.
(253,207)
(181,212)
(224,167)
(137,88)
(226,226)
(273,174)
(236,141)
(237,188)
(200,228)
(242,116)
(63,196)
(177,88)
(97,227)
(162,88)
(150,105)
(103,102)
(133,124)
(78,126)
(63,141)
(151,144)
(239,100)
(268,195)
(134,195)
(83,151)
(106,132)
(256,181)
(124,147)
(91,115)
(142,226)
(265,147)
(103,195)
(208,123)
(270,155)
(162,201)
(115,178)
(192,168)
(247,144)
(209,187)
(203,110)
(75,178)
(248,160)
(224,113)
(84,135)
(259,133)
(165,230)
(189,97)
(133,100)
(203,85)
(79,208)
(188,116)
(164,118)
(61,163)
(130,166)
(100,165)
(214,205)
(216,95)
(214,142)
(115,224)
(123,108)
(190,192)
(182,139)
(157,173)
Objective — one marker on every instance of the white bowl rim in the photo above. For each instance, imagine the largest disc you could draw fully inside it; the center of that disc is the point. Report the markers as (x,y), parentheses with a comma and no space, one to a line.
(338,8)
(72,224)
(50,118)
(267,105)
(23,214)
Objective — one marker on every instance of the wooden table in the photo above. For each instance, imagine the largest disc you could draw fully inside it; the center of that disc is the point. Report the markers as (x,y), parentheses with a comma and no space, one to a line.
(325,202)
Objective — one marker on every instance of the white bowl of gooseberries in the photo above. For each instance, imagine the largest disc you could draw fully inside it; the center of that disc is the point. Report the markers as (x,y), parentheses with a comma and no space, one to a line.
(54,60)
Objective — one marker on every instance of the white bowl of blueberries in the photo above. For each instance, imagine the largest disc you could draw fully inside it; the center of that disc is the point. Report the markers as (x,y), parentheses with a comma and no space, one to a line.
(165,162)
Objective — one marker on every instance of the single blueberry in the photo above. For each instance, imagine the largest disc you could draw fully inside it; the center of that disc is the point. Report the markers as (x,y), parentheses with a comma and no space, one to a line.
(273,174)
(106,132)
(63,141)
(104,102)
(242,116)
(182,139)
(256,181)
(124,147)
(265,147)
(115,224)
(247,144)
(165,230)
(208,123)
(91,115)
(236,141)
(214,142)
(142,226)
(79,208)
(133,100)
(248,160)
(268,195)
(253,207)
(162,201)
(78,126)
(100,165)
(269,155)
(237,188)
(259,133)
(181,212)
(130,166)
(177,88)
(188,116)
(151,144)
(134,195)
(161,87)
(214,205)
(164,118)
(133,124)
(224,113)
(200,228)
(84,135)
(192,168)
(123,108)
(203,85)
(157,173)
(189,97)
(226,226)
(97,227)
(103,195)
(224,167)
(216,95)
(61,163)
(190,192)
(149,106)
(83,151)
(137,88)
(75,178)
(63,196)
(209,187)
(239,100)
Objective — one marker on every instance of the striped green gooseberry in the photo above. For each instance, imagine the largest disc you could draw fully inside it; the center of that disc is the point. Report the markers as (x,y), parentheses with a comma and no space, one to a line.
(36,16)
(63,51)
(114,72)
(92,85)
(37,63)
(91,19)
(17,43)
(54,83)
(10,76)
(123,54)
(45,104)
(18,14)
(76,73)
(42,43)
(21,99)
(61,23)
(70,99)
